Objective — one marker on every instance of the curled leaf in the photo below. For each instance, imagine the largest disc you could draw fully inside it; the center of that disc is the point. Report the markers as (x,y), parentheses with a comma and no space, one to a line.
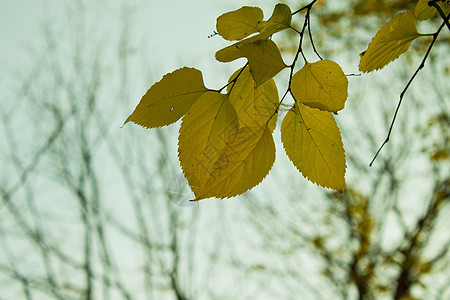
(280,19)
(264,59)
(233,52)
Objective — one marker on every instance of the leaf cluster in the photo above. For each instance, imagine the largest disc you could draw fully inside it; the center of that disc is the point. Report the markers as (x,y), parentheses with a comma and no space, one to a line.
(225,143)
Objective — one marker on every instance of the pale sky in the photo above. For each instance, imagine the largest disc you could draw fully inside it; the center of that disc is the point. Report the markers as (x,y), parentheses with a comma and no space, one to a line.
(172,34)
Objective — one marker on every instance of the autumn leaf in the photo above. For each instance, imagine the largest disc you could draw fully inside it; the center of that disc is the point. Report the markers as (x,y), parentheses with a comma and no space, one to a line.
(280,20)
(204,132)
(233,52)
(242,157)
(169,99)
(225,143)
(238,24)
(266,104)
(321,85)
(313,143)
(243,163)
(255,106)
(264,59)
(423,11)
(392,40)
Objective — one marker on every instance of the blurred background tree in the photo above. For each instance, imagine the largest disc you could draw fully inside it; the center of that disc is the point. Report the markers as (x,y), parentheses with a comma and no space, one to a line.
(386,237)
(89,211)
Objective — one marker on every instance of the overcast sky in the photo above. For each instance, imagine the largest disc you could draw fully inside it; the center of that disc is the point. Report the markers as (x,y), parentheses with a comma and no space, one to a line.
(171,27)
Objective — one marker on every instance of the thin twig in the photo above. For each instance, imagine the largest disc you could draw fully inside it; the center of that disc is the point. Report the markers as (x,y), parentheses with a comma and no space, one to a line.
(234,79)
(422,64)
(310,36)
(299,51)
(294,61)
(441,13)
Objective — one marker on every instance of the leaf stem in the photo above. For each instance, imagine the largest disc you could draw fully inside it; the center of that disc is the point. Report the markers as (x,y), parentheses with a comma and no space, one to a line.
(427,34)
(279,104)
(232,81)
(402,94)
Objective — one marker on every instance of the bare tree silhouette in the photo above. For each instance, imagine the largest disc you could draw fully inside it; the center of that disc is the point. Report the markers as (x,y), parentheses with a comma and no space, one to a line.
(88,210)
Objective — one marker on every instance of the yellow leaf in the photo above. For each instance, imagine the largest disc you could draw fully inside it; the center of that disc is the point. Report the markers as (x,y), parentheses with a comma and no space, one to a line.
(280,19)
(445,6)
(321,85)
(242,164)
(425,12)
(267,102)
(233,52)
(264,59)
(255,106)
(238,24)
(313,143)
(206,129)
(229,53)
(392,40)
(169,99)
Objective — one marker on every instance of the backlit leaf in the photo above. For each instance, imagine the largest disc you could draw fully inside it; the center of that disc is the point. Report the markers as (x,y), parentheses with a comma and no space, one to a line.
(233,52)
(225,143)
(390,42)
(229,53)
(264,59)
(313,143)
(242,164)
(169,99)
(255,106)
(280,19)
(206,129)
(238,24)
(425,12)
(321,85)
(267,102)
